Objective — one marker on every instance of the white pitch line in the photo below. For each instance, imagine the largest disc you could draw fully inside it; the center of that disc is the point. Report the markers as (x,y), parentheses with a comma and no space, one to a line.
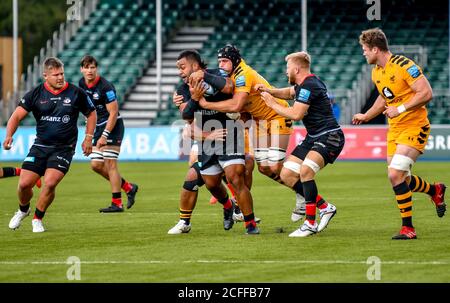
(320,262)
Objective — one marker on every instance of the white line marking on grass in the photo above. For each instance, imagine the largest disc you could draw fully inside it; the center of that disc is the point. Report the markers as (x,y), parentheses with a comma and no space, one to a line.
(320,262)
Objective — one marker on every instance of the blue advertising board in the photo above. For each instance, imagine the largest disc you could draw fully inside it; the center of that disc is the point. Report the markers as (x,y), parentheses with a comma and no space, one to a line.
(149,143)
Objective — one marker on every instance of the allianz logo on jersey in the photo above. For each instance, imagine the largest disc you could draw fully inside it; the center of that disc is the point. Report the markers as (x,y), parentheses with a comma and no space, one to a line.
(64,119)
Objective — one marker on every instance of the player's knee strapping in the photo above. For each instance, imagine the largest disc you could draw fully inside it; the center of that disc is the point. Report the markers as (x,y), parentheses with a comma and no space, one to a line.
(311,164)
(276,154)
(110,154)
(190,185)
(292,166)
(261,154)
(96,156)
(403,163)
(194,184)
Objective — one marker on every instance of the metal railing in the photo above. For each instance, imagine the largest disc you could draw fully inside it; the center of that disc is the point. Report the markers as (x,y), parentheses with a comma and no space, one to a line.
(55,45)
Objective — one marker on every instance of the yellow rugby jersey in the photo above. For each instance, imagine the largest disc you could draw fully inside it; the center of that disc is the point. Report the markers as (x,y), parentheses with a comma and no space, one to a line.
(394,85)
(244,79)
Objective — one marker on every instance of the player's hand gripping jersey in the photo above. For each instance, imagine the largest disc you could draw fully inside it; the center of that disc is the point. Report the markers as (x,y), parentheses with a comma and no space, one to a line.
(244,79)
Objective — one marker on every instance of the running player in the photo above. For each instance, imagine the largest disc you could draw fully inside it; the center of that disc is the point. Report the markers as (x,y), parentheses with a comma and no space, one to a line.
(404,92)
(56,105)
(108,134)
(323,143)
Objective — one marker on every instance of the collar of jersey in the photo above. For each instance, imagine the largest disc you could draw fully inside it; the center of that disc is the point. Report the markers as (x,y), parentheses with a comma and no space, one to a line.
(56,92)
(93,83)
(310,75)
(387,62)
(241,64)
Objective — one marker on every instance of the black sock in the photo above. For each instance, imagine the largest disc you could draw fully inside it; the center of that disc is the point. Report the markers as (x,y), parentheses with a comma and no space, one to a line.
(223,200)
(417,184)
(250,220)
(39,214)
(403,196)
(185,214)
(9,172)
(310,190)
(298,188)
(24,208)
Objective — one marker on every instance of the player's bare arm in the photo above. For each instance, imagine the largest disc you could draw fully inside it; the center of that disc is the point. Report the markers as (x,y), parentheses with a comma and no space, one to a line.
(286,93)
(236,104)
(377,108)
(296,112)
(423,95)
(90,127)
(13,123)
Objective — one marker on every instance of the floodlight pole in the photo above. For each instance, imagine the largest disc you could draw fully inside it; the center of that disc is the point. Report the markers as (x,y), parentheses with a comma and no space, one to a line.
(15,48)
(304,24)
(158,53)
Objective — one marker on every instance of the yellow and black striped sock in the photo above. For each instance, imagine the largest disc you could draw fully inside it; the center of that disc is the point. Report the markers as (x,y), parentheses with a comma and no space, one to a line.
(403,195)
(185,215)
(417,184)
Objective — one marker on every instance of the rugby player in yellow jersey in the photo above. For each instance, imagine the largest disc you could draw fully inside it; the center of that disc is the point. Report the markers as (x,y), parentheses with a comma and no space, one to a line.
(272,130)
(404,92)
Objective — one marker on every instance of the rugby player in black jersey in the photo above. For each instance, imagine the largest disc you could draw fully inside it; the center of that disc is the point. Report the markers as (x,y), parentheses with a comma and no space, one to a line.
(108,133)
(215,158)
(322,145)
(55,105)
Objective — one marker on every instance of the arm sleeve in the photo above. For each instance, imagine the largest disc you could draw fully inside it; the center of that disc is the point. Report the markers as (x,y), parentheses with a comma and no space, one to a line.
(218,82)
(410,72)
(304,93)
(27,102)
(110,93)
(243,82)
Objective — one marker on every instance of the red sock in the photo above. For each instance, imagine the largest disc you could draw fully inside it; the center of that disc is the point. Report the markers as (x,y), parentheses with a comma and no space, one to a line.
(18,170)
(227,205)
(251,222)
(126,186)
(117,202)
(321,203)
(311,213)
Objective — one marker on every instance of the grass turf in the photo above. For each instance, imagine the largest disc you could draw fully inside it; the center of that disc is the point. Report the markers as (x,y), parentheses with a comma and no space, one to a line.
(134,246)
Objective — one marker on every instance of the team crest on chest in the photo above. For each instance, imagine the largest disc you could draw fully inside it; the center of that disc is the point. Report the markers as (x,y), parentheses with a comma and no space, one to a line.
(388,93)
(67,102)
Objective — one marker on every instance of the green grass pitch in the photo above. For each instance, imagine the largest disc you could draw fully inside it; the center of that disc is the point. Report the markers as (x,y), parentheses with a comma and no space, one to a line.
(134,246)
